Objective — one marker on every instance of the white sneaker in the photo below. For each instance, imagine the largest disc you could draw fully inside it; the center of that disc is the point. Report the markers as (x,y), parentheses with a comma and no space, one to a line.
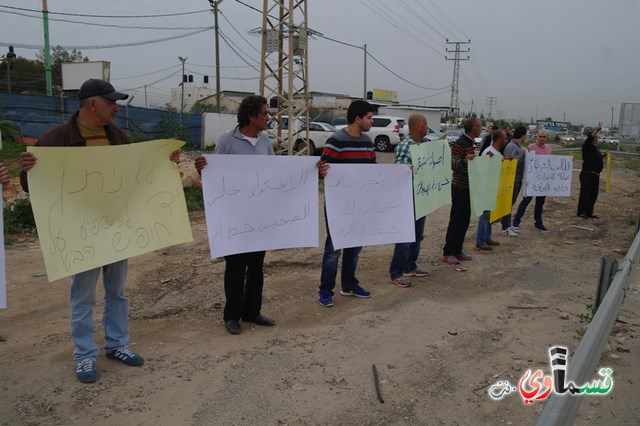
(509,232)
(516,229)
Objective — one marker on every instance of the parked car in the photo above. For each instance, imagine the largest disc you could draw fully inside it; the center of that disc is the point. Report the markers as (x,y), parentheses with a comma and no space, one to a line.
(432,135)
(567,138)
(453,135)
(318,134)
(386,132)
(610,139)
(477,142)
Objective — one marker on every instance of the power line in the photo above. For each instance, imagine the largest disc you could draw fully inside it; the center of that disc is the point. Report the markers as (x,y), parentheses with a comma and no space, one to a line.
(110,46)
(107,16)
(389,18)
(449,20)
(402,78)
(95,24)
(237,32)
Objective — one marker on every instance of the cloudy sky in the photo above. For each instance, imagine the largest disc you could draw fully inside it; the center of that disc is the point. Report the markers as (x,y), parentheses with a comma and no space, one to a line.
(537,59)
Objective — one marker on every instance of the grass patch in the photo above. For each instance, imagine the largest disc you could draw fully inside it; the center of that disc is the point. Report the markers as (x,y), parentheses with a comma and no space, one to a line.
(633,164)
(194,199)
(10,155)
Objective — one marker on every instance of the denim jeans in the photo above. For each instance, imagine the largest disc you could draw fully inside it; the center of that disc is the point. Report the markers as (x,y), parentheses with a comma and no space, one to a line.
(330,266)
(115,316)
(405,255)
(484,228)
(506,220)
(537,212)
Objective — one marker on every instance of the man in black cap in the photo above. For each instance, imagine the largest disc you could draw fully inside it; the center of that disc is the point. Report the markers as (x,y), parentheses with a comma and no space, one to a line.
(92,126)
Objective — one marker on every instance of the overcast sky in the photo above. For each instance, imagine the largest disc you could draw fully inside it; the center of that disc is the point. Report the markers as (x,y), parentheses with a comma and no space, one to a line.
(570,58)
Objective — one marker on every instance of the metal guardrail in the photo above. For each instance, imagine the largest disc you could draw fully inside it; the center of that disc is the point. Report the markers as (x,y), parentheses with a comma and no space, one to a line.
(612,151)
(562,409)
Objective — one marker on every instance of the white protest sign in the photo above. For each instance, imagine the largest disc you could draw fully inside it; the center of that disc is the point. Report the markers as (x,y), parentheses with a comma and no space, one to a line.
(369,204)
(547,175)
(260,202)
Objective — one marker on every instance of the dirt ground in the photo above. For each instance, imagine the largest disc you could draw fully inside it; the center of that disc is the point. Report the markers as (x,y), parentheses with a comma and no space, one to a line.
(437,346)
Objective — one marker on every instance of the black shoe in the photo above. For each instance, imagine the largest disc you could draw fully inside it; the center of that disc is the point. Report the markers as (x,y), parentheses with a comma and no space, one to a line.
(593,216)
(232,326)
(262,320)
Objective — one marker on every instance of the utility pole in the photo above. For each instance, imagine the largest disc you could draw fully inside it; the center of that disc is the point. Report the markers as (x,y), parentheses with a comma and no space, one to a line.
(611,127)
(215,4)
(47,53)
(364,93)
(7,58)
(456,75)
(285,35)
(184,79)
(491,101)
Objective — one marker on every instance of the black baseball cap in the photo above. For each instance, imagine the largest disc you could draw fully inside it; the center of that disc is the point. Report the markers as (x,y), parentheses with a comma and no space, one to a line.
(96,87)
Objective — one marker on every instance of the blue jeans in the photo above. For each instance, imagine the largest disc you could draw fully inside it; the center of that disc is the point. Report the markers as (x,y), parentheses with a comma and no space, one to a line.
(506,220)
(330,266)
(115,316)
(405,255)
(484,228)
(537,212)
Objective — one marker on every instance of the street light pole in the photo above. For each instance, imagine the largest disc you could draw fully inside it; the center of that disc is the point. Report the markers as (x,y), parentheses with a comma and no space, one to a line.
(183,60)
(215,4)
(611,127)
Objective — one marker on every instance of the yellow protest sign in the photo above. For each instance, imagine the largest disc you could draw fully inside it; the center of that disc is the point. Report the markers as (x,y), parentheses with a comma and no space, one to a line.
(98,205)
(505,190)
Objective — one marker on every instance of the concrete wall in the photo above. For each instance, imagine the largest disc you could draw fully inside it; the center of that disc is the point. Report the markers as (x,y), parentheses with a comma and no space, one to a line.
(215,125)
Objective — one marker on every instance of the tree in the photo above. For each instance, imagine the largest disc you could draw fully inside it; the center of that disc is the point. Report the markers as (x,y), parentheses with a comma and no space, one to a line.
(28,75)
(200,107)
(60,56)
(22,74)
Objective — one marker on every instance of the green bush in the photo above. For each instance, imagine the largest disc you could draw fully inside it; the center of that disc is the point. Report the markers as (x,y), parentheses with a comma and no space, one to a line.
(18,217)
(194,199)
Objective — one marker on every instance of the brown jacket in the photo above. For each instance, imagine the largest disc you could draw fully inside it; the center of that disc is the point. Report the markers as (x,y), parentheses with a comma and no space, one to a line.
(68,134)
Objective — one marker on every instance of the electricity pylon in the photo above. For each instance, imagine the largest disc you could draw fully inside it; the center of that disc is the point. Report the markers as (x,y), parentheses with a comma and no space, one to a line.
(284,72)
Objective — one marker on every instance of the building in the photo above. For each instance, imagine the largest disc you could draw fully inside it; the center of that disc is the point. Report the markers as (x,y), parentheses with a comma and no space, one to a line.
(191,96)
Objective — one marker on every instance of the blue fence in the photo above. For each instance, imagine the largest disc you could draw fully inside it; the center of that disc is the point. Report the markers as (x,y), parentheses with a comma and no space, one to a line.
(36,114)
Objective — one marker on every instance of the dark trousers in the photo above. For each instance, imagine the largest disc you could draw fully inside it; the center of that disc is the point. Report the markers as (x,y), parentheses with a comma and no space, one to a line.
(589,187)
(243,281)
(537,211)
(459,218)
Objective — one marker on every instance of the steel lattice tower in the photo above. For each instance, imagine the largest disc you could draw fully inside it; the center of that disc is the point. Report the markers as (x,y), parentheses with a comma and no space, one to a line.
(455,110)
(284,42)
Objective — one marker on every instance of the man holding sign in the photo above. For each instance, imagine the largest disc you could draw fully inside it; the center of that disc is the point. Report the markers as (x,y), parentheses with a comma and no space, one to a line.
(541,148)
(405,255)
(462,152)
(92,126)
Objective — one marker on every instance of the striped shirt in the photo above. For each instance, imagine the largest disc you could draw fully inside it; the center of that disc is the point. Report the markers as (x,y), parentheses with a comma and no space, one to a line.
(459,151)
(540,150)
(341,147)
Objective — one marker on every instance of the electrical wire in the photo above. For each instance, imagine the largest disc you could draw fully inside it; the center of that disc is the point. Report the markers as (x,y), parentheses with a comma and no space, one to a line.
(110,46)
(449,20)
(95,24)
(237,32)
(107,16)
